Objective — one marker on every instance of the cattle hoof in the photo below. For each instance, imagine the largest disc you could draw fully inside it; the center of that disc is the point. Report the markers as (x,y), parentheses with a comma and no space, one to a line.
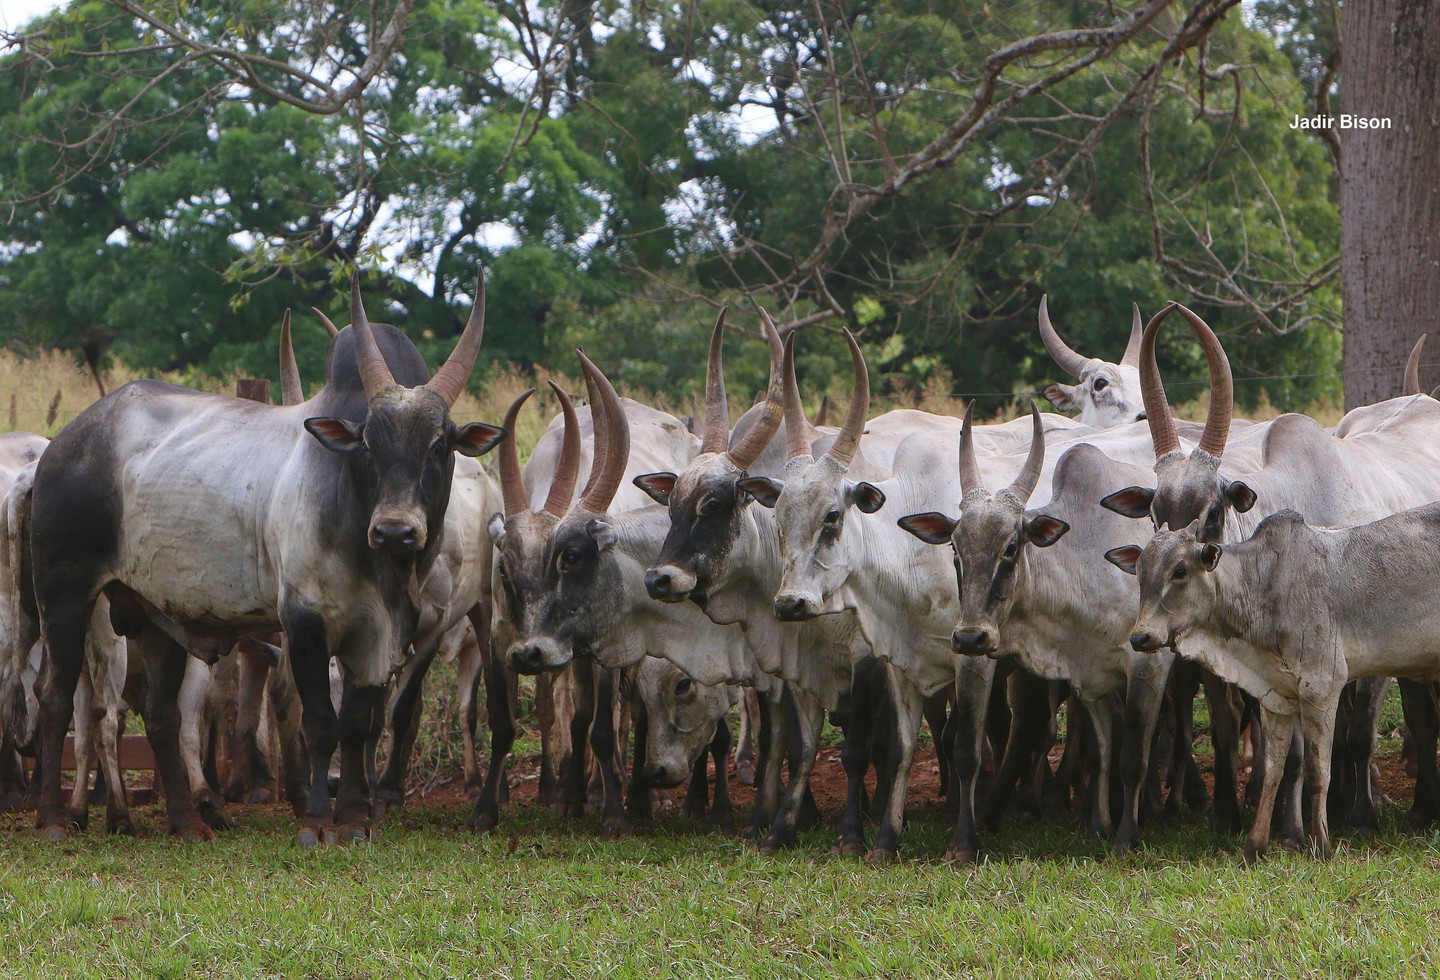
(722,820)
(79,819)
(483,821)
(960,856)
(745,772)
(192,833)
(56,832)
(308,838)
(329,837)
(615,827)
(260,796)
(377,809)
(880,855)
(851,849)
(572,811)
(1251,856)
(774,844)
(354,833)
(121,827)
(751,833)
(214,816)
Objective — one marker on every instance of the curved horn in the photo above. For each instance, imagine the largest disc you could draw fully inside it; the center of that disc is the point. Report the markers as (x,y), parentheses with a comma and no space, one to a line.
(567,471)
(292,392)
(969,469)
(822,416)
(749,448)
(1025,483)
(797,426)
(1137,329)
(1152,390)
(325,321)
(717,412)
(845,444)
(1412,368)
(1063,355)
(602,489)
(1222,386)
(374,372)
(599,430)
(450,380)
(512,486)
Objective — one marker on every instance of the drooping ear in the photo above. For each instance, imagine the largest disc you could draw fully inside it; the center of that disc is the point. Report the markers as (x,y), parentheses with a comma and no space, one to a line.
(477,438)
(764,489)
(1043,530)
(1130,502)
(1061,396)
(866,496)
(602,533)
(1210,556)
(1240,497)
(1124,558)
(337,435)
(930,527)
(496,529)
(657,486)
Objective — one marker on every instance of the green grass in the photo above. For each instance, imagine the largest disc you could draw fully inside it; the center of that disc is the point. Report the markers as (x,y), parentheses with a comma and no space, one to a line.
(546,898)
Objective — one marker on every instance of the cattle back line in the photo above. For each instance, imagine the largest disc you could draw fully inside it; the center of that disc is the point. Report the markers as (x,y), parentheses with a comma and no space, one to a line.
(268,587)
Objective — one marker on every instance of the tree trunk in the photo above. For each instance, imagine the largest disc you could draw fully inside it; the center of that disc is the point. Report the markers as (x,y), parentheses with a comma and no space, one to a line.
(1390,193)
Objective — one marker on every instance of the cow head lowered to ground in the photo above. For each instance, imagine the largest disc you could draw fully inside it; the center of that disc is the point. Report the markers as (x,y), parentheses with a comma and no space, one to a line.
(1106,394)
(990,539)
(706,503)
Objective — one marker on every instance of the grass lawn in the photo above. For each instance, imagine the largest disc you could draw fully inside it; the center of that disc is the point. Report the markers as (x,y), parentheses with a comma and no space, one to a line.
(546,898)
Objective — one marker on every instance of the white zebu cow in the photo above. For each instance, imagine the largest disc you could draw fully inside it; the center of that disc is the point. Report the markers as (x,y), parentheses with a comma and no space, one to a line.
(1107,394)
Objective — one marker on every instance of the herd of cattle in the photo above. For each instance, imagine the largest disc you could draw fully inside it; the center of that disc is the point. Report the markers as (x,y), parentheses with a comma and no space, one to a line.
(895,569)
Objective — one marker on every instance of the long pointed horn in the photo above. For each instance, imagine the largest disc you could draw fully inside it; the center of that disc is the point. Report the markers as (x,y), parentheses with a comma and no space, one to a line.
(325,321)
(845,444)
(1029,477)
(749,448)
(969,469)
(797,426)
(450,380)
(599,430)
(1152,390)
(374,372)
(567,471)
(1412,368)
(512,485)
(1222,386)
(717,412)
(292,392)
(602,491)
(1063,355)
(1137,330)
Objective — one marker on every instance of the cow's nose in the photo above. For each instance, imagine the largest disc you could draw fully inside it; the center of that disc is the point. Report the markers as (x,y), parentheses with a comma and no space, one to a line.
(792,608)
(1146,642)
(972,640)
(660,585)
(393,536)
(526,659)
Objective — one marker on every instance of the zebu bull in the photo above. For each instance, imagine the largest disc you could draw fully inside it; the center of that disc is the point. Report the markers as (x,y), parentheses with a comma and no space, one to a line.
(1291,615)
(679,726)
(1106,394)
(206,518)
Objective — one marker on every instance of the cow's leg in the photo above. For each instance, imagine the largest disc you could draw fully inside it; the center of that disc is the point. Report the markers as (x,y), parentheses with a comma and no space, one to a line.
(1423,722)
(1370,693)
(1225,738)
(803,719)
(500,710)
(745,759)
(404,726)
(468,668)
(1102,723)
(193,689)
(861,715)
(722,813)
(637,796)
(575,779)
(550,793)
(166,664)
(1317,720)
(254,670)
(772,753)
(362,718)
(1185,785)
(973,679)
(310,666)
(936,716)
(605,747)
(1277,731)
(79,806)
(64,629)
(1290,818)
(285,713)
(12,775)
(1029,700)
(907,705)
(111,724)
(1144,697)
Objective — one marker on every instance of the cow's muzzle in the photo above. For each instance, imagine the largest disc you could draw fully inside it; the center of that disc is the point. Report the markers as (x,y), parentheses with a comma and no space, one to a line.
(974,641)
(662,777)
(791,607)
(669,583)
(396,535)
(537,656)
(1145,641)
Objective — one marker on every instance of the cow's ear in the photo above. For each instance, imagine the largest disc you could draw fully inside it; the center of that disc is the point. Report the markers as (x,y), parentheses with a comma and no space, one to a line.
(1130,502)
(477,438)
(337,435)
(602,533)
(496,529)
(1210,556)
(657,486)
(930,527)
(1240,497)
(868,497)
(762,488)
(1043,530)
(1061,396)
(1124,558)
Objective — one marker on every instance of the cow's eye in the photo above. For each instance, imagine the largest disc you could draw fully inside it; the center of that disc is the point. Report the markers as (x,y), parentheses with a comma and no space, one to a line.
(1012,550)
(833,517)
(710,507)
(682,686)
(438,448)
(1100,384)
(1179,574)
(570,559)
(504,572)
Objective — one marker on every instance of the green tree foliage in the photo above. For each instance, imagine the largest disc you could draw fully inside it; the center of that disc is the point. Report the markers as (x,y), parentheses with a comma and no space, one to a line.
(620,170)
